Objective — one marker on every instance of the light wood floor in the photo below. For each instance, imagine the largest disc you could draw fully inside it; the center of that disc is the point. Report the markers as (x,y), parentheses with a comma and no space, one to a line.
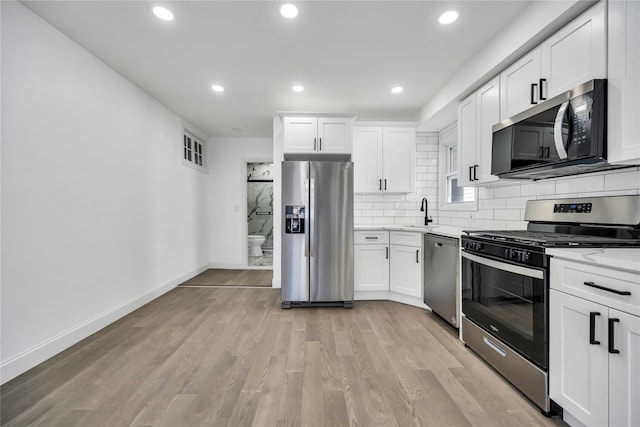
(225,356)
(224,277)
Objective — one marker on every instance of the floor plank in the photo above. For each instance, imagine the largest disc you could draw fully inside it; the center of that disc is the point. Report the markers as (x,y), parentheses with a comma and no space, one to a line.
(213,356)
(227,277)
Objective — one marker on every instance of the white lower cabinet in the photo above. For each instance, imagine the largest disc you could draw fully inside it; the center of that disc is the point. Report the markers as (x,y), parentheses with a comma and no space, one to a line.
(388,261)
(405,271)
(594,348)
(371,261)
(371,267)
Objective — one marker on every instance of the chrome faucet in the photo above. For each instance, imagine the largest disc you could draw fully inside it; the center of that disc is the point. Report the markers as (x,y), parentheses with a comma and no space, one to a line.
(425,208)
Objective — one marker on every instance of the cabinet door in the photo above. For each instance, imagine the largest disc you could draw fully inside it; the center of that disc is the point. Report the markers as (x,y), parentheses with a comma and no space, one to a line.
(300,134)
(398,159)
(578,377)
(405,271)
(516,92)
(371,267)
(488,114)
(467,140)
(623,85)
(575,54)
(367,160)
(624,370)
(334,135)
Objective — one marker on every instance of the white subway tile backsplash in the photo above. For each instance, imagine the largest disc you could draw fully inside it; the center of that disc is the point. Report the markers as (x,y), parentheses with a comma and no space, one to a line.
(492,204)
(372,198)
(363,206)
(581,183)
(538,188)
(609,193)
(508,214)
(394,197)
(517,202)
(507,191)
(622,180)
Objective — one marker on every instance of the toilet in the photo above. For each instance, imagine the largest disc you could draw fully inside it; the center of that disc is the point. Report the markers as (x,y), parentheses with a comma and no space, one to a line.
(255,242)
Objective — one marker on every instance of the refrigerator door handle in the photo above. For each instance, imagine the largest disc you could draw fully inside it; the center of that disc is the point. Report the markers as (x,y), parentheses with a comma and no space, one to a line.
(307,185)
(312,217)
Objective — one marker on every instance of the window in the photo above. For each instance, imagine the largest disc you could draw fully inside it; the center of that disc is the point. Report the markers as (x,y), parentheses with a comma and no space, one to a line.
(453,197)
(192,150)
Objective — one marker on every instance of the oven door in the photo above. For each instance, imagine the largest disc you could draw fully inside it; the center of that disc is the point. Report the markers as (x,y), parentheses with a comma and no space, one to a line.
(509,301)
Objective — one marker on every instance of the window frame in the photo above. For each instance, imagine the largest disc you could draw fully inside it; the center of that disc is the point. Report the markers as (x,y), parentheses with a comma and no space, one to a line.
(193,151)
(448,139)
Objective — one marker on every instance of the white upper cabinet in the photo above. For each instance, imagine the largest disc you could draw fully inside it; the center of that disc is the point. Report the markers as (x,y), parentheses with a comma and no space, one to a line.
(476,116)
(575,54)
(519,85)
(313,134)
(623,87)
(384,159)
(398,159)
(367,158)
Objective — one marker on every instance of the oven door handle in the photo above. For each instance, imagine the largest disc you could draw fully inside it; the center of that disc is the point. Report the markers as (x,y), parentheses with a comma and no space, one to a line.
(511,268)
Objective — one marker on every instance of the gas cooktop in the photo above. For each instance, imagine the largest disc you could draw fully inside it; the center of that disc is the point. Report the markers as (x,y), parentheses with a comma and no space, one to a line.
(552,239)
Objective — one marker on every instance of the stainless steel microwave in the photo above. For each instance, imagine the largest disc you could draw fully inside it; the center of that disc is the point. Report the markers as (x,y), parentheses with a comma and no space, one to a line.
(565,135)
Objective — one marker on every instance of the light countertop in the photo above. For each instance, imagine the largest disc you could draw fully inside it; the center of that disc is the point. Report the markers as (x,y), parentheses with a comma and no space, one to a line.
(620,258)
(442,230)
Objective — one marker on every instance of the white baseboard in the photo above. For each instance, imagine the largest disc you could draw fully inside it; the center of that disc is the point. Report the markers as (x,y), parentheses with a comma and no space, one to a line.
(37,354)
(227,266)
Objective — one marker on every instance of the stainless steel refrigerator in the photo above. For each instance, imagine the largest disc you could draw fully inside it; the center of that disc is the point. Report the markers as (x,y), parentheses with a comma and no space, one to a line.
(317,234)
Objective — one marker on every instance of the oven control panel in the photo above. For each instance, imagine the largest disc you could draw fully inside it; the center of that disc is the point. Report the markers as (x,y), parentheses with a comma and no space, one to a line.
(514,253)
(572,208)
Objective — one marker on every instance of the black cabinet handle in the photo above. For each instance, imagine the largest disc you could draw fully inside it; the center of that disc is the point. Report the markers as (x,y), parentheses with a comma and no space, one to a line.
(542,98)
(612,346)
(546,152)
(371,238)
(314,144)
(385,183)
(417,255)
(533,92)
(320,145)
(380,184)
(592,328)
(470,176)
(593,285)
(541,152)
(387,251)
(475,173)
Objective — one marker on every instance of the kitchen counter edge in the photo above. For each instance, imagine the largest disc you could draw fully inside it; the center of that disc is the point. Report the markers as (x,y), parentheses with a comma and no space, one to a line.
(441,230)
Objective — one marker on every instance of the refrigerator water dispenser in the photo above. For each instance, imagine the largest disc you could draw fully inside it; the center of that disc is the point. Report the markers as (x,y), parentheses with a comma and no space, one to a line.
(294,219)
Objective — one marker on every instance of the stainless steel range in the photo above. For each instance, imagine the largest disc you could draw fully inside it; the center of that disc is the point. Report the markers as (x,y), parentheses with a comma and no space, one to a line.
(505,281)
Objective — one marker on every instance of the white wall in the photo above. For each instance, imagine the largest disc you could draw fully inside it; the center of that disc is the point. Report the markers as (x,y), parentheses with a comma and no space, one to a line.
(99,216)
(227,159)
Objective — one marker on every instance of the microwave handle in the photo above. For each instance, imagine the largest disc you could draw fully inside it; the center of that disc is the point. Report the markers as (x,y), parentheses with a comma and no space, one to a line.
(557,130)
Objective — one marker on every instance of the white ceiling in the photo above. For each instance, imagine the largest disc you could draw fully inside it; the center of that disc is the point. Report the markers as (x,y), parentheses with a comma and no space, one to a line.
(347,54)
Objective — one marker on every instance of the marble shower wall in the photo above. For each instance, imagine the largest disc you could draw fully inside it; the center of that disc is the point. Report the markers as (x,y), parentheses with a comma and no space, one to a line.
(260,201)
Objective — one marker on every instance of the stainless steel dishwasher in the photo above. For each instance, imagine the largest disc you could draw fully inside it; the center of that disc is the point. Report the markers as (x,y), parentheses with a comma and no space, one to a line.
(441,256)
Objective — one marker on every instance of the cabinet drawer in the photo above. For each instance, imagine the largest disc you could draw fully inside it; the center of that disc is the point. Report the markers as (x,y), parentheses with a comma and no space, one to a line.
(574,278)
(406,238)
(371,237)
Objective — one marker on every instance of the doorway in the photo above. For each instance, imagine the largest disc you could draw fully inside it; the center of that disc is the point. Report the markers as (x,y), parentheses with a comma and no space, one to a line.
(260,215)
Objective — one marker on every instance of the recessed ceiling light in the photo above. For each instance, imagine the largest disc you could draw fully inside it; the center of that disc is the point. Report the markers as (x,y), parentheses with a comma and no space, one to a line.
(297,88)
(289,11)
(217,88)
(163,13)
(397,89)
(448,17)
